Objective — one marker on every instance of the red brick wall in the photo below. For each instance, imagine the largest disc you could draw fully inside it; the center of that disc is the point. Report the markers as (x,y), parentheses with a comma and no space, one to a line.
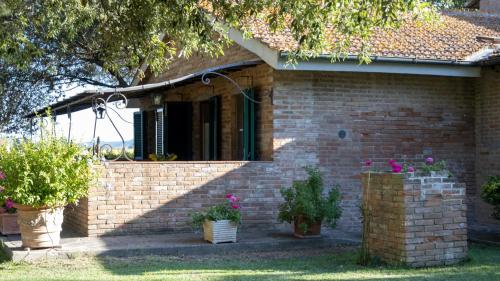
(182,67)
(406,117)
(76,217)
(488,145)
(146,197)
(490,6)
(415,219)
(385,116)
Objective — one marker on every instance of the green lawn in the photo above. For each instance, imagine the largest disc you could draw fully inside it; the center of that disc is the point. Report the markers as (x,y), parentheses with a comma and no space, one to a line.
(484,264)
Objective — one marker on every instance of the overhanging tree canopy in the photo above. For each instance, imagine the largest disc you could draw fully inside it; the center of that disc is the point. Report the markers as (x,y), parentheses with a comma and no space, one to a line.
(50,43)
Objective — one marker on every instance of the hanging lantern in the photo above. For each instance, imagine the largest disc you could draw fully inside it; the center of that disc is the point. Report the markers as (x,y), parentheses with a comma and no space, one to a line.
(99,111)
(157,99)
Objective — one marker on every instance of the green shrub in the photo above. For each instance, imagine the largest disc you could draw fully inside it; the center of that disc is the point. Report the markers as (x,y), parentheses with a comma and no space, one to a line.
(229,210)
(305,199)
(50,172)
(491,194)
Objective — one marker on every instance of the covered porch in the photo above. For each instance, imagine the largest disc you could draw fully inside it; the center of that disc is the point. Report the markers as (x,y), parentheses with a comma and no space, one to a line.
(196,138)
(222,113)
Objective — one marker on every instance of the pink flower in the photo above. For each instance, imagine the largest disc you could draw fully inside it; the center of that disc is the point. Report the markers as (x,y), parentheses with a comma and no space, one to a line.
(238,199)
(429,161)
(396,168)
(232,199)
(392,162)
(9,204)
(2,175)
(229,195)
(368,163)
(235,206)
(411,169)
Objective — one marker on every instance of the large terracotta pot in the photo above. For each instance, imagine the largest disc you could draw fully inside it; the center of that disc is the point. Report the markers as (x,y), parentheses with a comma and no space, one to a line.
(40,227)
(313,230)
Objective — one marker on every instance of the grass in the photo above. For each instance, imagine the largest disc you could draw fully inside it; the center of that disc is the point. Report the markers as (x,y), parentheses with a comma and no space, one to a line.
(484,264)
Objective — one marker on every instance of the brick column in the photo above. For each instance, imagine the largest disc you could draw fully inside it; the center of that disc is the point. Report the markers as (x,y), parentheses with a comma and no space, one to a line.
(418,220)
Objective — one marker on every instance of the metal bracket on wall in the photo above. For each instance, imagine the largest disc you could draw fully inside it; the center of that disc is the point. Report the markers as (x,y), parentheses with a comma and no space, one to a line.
(100,107)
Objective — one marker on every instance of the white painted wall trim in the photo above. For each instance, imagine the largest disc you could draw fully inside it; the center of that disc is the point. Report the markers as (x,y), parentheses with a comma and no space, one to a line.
(384,67)
(267,54)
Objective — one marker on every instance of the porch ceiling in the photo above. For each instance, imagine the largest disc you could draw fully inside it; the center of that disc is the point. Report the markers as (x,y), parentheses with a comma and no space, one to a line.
(83,100)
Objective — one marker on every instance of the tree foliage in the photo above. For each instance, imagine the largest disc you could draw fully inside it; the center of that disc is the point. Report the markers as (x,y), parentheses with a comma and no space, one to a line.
(105,42)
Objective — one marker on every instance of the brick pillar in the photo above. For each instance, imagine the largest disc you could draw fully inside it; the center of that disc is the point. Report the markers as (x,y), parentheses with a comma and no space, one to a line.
(418,220)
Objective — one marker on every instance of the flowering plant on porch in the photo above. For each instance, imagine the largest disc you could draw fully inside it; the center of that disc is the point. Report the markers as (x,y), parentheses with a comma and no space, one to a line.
(220,222)
(229,210)
(429,166)
(7,206)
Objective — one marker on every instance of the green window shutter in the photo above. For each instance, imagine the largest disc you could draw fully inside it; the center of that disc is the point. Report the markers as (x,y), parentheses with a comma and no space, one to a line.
(139,135)
(249,126)
(214,127)
(160,132)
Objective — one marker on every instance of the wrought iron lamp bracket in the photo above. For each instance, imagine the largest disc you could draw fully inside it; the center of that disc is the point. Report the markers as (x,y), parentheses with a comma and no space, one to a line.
(100,107)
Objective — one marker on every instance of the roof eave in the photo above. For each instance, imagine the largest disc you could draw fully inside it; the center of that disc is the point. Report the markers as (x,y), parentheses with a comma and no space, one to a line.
(284,54)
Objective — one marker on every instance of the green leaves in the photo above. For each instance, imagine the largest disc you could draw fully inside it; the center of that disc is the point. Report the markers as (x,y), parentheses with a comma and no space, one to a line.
(222,211)
(305,199)
(120,36)
(491,194)
(49,172)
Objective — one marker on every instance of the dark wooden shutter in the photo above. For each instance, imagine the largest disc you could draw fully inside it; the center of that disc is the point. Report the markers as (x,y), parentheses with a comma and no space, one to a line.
(139,135)
(214,127)
(160,132)
(249,126)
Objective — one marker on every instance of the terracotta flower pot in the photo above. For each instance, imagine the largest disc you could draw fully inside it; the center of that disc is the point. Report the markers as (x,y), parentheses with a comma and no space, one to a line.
(8,224)
(40,227)
(313,230)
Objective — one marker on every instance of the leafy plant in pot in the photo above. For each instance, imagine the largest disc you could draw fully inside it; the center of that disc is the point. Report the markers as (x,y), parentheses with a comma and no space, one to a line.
(306,206)
(220,222)
(42,177)
(491,194)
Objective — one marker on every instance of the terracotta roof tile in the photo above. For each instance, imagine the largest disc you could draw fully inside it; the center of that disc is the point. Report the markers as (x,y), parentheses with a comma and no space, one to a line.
(454,38)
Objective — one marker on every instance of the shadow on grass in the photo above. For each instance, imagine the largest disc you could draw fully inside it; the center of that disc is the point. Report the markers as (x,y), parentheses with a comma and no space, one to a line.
(3,256)
(483,265)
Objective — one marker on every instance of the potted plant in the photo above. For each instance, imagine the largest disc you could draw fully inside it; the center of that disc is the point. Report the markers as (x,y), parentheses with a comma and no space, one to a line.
(41,178)
(491,194)
(8,217)
(307,208)
(220,222)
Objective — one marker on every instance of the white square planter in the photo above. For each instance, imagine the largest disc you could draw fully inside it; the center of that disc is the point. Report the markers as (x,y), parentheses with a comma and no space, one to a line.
(220,231)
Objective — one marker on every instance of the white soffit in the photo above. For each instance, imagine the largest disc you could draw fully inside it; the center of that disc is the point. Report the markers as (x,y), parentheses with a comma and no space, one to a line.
(278,62)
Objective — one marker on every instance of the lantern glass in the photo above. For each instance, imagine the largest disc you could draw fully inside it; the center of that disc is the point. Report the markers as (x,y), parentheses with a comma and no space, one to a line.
(157,99)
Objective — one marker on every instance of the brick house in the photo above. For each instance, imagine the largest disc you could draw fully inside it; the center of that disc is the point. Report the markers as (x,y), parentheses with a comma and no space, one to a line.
(430,91)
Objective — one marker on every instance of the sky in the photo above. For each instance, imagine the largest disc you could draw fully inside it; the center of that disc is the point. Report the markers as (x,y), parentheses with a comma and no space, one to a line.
(82,123)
